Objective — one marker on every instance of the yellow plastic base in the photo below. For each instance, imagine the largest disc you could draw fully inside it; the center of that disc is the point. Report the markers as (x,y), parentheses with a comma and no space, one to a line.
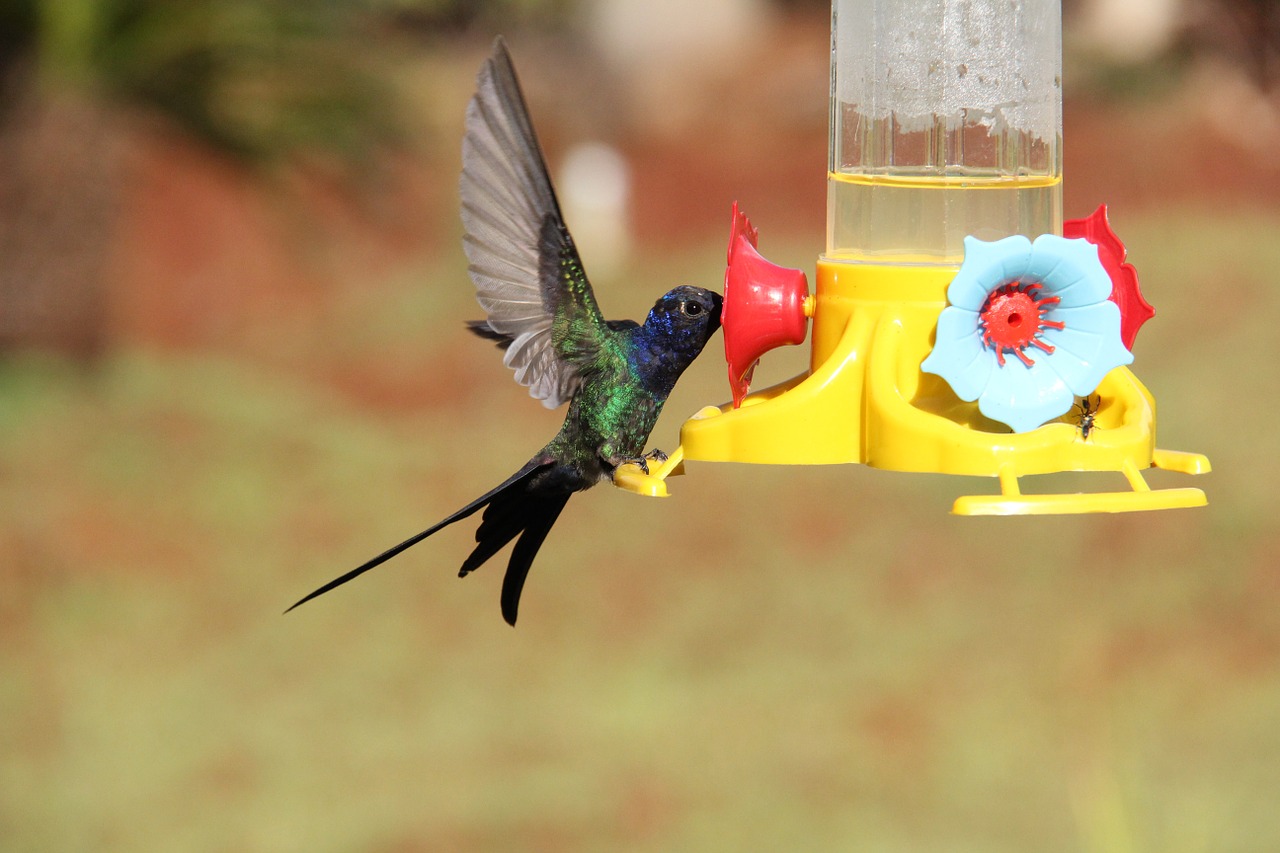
(1011,501)
(865,400)
(632,478)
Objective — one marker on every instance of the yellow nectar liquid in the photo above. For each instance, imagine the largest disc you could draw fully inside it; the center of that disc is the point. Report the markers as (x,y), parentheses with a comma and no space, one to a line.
(923,219)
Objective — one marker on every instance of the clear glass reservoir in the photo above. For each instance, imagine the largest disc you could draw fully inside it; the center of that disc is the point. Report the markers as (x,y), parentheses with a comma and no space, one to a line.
(946,121)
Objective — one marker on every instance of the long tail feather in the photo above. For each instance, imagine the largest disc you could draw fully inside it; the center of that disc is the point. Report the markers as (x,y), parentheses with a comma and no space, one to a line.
(503,521)
(535,532)
(529,469)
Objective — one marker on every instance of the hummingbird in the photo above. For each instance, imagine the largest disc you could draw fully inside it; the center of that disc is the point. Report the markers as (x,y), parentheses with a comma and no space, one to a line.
(541,311)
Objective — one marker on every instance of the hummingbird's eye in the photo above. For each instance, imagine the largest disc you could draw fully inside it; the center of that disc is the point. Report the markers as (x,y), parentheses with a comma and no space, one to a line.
(691,309)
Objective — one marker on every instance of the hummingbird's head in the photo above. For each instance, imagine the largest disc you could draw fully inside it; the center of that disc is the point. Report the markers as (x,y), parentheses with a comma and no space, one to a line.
(685,318)
(676,330)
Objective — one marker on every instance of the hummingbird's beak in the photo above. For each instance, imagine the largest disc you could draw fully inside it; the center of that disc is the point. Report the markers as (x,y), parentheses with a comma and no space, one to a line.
(716,311)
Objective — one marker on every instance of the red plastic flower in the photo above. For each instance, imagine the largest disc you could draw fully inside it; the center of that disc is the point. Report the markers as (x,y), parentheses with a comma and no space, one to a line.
(1125,293)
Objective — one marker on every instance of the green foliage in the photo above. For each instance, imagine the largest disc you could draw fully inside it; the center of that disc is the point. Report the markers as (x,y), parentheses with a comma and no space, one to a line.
(257,77)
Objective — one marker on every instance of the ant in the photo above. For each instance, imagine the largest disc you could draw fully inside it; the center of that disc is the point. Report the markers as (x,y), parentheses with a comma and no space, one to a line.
(1088,406)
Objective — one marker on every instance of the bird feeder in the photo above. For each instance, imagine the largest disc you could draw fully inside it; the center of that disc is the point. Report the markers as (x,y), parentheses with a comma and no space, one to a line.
(957,320)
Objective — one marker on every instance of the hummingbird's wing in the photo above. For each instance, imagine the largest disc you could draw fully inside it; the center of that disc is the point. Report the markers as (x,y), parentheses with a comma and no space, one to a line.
(523,261)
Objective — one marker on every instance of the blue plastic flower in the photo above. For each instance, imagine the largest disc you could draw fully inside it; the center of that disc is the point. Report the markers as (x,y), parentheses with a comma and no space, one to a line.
(1029,328)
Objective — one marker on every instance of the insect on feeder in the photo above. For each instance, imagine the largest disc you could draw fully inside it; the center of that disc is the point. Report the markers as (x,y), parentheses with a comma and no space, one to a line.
(957,320)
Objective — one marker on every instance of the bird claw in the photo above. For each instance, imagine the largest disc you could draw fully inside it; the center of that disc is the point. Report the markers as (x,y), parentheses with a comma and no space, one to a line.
(641,462)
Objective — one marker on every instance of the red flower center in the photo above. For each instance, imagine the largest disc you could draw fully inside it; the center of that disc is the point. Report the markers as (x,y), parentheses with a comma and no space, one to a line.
(1013,317)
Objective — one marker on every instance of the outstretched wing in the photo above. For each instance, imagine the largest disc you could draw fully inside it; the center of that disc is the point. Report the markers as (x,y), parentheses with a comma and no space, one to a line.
(523,262)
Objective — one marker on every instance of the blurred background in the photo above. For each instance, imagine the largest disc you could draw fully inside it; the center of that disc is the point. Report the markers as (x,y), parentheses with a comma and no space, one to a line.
(232,366)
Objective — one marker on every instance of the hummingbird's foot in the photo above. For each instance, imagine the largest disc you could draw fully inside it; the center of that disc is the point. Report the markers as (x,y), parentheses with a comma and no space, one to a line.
(656,455)
(642,462)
